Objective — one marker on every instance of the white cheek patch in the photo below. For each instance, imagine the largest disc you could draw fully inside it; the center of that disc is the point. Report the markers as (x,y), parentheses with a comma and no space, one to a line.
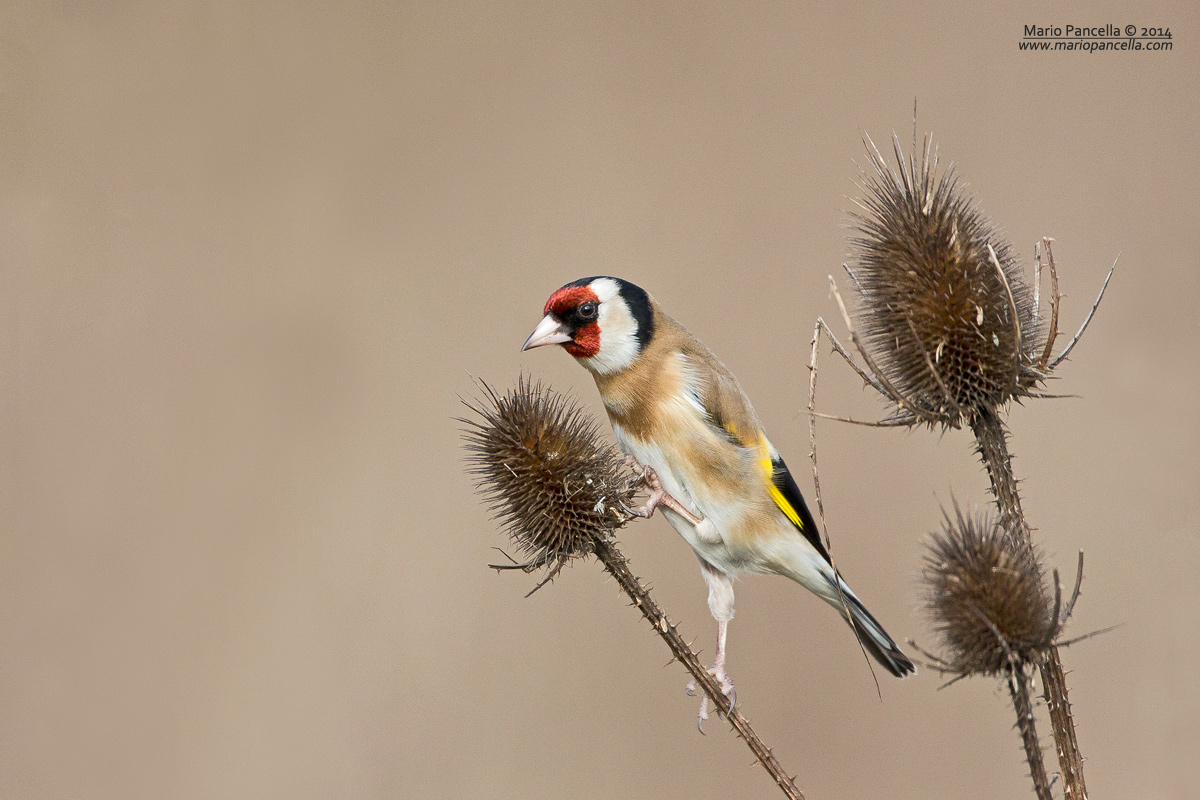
(618,331)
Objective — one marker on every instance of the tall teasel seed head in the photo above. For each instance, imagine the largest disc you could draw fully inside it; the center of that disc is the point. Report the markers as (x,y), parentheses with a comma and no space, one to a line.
(947,314)
(986,596)
(545,473)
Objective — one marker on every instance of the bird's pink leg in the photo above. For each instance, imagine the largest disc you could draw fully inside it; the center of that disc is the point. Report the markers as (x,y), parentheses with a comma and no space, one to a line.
(717,670)
(720,587)
(720,602)
(658,495)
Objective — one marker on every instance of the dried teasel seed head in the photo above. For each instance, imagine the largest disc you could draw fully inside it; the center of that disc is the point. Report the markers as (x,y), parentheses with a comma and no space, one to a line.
(944,309)
(986,596)
(545,473)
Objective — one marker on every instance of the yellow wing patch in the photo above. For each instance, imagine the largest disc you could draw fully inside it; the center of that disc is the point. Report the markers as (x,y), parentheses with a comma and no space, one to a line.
(767,468)
(776,495)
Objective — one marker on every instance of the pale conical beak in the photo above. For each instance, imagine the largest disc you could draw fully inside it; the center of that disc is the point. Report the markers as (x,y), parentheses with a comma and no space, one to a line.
(548,331)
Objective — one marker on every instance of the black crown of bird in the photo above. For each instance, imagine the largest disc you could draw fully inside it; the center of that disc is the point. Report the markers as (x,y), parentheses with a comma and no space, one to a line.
(680,417)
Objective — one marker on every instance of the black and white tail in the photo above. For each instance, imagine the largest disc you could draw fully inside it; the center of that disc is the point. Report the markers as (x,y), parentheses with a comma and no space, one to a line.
(872,635)
(810,567)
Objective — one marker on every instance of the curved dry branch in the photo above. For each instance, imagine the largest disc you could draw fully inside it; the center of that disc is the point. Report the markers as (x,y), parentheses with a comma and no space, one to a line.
(1075,339)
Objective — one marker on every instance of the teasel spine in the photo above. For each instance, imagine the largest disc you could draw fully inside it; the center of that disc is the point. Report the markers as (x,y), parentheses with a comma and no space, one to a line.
(1018,688)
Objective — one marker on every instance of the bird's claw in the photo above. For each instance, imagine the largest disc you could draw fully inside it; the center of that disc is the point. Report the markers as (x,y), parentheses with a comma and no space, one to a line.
(727,689)
(657,493)
(633,464)
(659,496)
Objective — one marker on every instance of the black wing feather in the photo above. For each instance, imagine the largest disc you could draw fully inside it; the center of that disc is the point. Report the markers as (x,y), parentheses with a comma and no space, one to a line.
(782,478)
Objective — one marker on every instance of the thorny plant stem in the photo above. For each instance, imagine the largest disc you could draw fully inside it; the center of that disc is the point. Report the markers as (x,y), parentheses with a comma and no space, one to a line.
(992,441)
(992,444)
(618,567)
(1018,687)
(1054,688)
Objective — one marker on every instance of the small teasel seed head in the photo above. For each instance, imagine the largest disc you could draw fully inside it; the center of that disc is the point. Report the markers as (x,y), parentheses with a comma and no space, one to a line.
(945,311)
(986,596)
(545,473)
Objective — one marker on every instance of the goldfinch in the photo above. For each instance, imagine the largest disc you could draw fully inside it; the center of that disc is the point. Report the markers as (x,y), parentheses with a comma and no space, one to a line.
(679,412)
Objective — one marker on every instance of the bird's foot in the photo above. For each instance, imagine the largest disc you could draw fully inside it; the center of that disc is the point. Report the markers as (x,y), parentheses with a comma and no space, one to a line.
(658,495)
(727,689)
(633,464)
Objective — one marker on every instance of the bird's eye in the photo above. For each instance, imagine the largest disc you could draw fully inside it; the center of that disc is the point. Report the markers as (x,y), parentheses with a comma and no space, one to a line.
(587,310)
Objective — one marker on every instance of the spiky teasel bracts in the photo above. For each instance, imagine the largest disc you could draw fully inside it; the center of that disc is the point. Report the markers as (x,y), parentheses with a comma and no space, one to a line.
(548,478)
(987,597)
(944,310)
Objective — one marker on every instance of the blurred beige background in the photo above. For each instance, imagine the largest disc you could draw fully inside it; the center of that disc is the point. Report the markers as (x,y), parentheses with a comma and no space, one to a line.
(251,253)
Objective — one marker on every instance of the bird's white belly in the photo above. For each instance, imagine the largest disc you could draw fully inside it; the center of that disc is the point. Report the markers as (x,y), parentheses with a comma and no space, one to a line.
(710,548)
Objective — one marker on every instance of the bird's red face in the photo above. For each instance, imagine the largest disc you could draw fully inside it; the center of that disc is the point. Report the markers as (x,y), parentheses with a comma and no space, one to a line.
(577,307)
(603,322)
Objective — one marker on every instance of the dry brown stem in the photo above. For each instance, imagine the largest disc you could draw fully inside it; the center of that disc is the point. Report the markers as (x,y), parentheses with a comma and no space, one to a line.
(1018,687)
(617,566)
(1070,761)
(992,441)
(1055,297)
